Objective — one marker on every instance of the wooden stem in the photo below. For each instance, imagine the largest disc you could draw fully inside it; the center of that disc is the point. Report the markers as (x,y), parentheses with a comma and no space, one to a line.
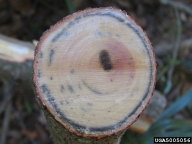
(15,63)
(61,135)
(94,73)
(15,58)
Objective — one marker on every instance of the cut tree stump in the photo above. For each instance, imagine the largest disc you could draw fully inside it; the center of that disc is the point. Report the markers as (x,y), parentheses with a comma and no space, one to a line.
(94,73)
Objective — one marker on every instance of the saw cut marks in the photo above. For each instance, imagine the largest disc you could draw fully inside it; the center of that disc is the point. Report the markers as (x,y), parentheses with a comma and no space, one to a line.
(95,71)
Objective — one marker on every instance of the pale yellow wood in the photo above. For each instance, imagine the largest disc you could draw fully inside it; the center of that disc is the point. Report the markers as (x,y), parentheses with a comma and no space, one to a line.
(94,72)
(152,112)
(15,50)
(141,125)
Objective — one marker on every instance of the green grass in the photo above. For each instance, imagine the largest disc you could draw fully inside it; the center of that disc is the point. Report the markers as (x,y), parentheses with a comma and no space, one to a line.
(70,6)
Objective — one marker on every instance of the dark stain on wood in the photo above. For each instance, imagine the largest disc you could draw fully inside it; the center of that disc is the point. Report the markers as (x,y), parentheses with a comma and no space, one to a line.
(117,35)
(101,129)
(83,109)
(38,73)
(62,33)
(77,18)
(47,92)
(81,128)
(120,123)
(51,57)
(61,102)
(62,88)
(41,55)
(78,127)
(105,60)
(67,102)
(72,71)
(89,104)
(80,87)
(71,23)
(105,14)
(70,88)
(109,34)
(99,34)
(92,89)
(138,33)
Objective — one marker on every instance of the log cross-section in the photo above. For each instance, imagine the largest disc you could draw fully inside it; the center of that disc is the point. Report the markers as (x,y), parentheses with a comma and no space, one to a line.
(94,73)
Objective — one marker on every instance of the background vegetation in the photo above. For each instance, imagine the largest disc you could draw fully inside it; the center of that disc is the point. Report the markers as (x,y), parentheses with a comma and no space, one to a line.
(168,24)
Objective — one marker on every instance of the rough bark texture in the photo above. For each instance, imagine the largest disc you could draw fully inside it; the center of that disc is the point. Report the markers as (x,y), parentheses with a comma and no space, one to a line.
(19,70)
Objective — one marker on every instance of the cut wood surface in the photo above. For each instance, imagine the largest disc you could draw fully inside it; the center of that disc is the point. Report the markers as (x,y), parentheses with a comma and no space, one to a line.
(14,50)
(94,73)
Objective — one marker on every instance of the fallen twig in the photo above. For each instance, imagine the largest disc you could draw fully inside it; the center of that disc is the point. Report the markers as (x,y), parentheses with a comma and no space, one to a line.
(5,125)
(23,126)
(164,47)
(7,95)
(175,53)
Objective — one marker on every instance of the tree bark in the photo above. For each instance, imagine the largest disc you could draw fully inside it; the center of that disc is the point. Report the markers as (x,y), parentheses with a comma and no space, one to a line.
(94,73)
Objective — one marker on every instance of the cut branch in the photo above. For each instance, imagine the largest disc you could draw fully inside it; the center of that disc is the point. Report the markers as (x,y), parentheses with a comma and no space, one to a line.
(15,63)
(15,59)
(94,73)
(14,50)
(5,125)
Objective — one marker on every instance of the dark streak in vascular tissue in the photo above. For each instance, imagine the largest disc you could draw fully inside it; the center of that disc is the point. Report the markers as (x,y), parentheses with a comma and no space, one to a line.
(51,56)
(70,88)
(47,92)
(63,32)
(71,23)
(106,34)
(72,71)
(40,55)
(61,102)
(99,34)
(77,18)
(80,87)
(74,124)
(117,35)
(66,102)
(62,88)
(38,73)
(51,100)
(109,34)
(89,104)
(84,109)
(92,89)
(105,60)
